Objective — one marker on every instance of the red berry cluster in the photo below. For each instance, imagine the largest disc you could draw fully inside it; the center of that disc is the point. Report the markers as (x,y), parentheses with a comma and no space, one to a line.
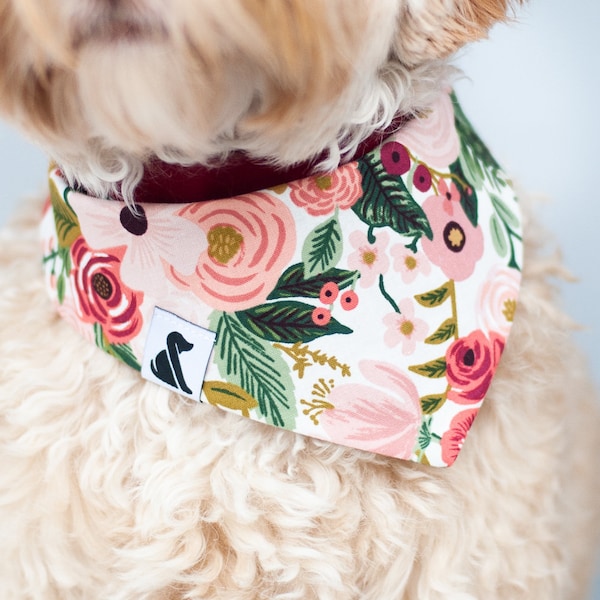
(396,160)
(328,295)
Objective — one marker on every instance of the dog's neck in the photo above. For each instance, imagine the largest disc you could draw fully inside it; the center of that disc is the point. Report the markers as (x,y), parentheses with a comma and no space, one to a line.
(170,183)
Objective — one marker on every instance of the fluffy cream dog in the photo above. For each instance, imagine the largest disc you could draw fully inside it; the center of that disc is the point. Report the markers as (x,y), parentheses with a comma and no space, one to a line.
(112,487)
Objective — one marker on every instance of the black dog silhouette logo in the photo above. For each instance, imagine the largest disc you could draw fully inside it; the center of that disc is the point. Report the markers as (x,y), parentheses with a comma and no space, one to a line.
(166,366)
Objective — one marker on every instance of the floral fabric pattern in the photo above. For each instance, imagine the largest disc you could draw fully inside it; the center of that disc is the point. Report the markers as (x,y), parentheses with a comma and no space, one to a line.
(368,307)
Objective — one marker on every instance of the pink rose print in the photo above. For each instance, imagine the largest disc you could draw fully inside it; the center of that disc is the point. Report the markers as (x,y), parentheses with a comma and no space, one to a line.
(383,419)
(369,259)
(454,438)
(251,239)
(152,239)
(498,299)
(100,295)
(404,328)
(470,366)
(456,245)
(321,194)
(433,138)
(409,263)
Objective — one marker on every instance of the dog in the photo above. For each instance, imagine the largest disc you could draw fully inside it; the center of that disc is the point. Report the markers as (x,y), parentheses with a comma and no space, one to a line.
(115,486)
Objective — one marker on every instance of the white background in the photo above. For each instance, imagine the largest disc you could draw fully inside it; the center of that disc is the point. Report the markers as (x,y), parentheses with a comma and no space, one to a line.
(533,93)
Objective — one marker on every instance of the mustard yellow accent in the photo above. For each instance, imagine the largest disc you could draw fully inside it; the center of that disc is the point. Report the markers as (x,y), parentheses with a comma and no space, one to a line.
(456,237)
(510,306)
(410,262)
(369,257)
(224,243)
(304,357)
(229,395)
(323,182)
(407,327)
(318,404)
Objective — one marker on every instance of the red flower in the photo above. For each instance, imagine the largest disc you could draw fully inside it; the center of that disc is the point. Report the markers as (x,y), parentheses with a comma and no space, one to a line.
(100,295)
(454,438)
(321,194)
(470,365)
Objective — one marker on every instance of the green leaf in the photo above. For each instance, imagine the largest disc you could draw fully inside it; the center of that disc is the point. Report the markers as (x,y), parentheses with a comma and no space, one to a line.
(256,367)
(60,288)
(434,369)
(468,195)
(504,212)
(433,403)
(387,202)
(67,225)
(125,354)
(498,235)
(322,248)
(287,322)
(424,438)
(293,284)
(476,161)
(444,332)
(121,351)
(434,297)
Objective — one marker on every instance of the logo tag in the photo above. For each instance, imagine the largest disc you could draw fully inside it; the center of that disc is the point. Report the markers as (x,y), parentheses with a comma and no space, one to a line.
(177,353)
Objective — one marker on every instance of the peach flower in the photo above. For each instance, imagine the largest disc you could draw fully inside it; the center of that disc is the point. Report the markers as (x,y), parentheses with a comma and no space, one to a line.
(498,299)
(322,194)
(369,259)
(251,239)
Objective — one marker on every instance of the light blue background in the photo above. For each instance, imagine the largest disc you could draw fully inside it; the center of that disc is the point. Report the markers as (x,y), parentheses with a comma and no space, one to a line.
(534,95)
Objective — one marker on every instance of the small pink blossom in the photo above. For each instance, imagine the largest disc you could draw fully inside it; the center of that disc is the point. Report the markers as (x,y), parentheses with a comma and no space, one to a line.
(456,245)
(322,194)
(454,438)
(369,259)
(384,419)
(450,193)
(409,263)
(404,328)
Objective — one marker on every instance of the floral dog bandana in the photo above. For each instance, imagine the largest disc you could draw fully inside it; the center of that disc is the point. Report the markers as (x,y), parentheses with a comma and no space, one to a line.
(368,306)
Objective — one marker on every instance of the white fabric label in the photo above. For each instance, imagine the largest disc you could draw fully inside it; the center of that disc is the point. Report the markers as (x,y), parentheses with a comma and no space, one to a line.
(177,353)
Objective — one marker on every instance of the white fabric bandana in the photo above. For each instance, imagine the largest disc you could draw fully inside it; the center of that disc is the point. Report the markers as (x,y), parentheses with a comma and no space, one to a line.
(368,306)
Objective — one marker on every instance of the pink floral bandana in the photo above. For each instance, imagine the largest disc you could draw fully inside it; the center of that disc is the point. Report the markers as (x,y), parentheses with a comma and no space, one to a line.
(368,306)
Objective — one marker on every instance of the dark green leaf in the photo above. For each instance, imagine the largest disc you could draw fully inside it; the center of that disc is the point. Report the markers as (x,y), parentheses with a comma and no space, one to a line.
(434,369)
(287,322)
(434,297)
(433,403)
(124,353)
(468,195)
(424,438)
(322,249)
(444,332)
(386,202)
(293,284)
(256,367)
